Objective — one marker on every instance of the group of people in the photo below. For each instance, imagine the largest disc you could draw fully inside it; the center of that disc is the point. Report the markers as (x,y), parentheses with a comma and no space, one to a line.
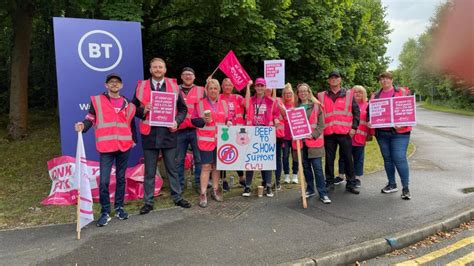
(338,118)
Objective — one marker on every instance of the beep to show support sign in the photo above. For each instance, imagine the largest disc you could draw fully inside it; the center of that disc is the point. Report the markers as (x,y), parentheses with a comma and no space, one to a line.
(390,112)
(246,148)
(86,52)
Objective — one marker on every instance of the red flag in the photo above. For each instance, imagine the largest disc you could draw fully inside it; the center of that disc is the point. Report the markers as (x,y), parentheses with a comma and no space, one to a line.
(232,68)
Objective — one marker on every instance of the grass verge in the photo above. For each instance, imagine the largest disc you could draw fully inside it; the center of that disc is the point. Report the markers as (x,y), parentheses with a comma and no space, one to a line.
(24,179)
(446,109)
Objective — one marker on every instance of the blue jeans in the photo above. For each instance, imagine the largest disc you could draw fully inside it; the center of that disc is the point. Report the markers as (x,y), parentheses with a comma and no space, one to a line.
(393,147)
(188,137)
(106,162)
(266,177)
(313,167)
(358,156)
(283,145)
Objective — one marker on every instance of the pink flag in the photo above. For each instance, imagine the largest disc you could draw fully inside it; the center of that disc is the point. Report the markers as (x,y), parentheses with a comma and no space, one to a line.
(81,178)
(232,68)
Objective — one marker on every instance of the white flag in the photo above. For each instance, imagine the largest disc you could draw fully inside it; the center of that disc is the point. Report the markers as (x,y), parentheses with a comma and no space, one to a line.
(81,178)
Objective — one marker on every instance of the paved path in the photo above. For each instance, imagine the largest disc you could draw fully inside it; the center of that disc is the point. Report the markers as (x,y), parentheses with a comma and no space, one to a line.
(261,230)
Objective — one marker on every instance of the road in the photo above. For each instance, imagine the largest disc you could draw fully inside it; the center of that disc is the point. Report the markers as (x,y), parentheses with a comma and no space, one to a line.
(269,231)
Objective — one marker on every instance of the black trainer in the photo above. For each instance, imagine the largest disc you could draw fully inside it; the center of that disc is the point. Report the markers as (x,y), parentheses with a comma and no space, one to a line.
(338,180)
(389,188)
(406,194)
(183,203)
(225,186)
(146,209)
(247,192)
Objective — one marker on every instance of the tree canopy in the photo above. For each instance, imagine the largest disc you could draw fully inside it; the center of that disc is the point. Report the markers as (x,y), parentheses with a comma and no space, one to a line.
(314,37)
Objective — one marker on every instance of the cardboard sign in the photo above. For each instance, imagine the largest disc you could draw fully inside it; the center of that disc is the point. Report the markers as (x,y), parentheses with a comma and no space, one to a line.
(298,122)
(390,112)
(274,73)
(163,105)
(248,148)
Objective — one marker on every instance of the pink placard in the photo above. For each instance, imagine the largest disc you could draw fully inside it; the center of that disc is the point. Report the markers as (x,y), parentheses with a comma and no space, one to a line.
(380,112)
(298,122)
(162,111)
(404,111)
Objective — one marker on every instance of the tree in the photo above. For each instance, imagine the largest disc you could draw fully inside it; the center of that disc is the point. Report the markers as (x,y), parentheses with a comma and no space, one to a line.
(22,16)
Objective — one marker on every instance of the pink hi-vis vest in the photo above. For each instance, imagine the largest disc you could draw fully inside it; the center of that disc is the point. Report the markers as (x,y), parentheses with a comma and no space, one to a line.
(206,136)
(112,129)
(338,114)
(362,131)
(313,122)
(265,109)
(194,95)
(280,129)
(236,112)
(143,94)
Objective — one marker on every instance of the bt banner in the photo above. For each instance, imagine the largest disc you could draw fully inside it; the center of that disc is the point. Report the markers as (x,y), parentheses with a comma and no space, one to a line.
(86,52)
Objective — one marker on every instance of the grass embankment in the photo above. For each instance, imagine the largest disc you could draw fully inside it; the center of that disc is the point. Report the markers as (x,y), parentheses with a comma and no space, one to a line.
(24,179)
(446,109)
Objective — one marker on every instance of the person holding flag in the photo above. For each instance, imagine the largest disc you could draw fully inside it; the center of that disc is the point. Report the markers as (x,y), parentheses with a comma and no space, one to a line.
(236,105)
(112,117)
(261,111)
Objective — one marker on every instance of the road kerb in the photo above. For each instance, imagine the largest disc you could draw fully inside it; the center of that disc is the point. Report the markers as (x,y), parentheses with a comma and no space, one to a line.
(373,248)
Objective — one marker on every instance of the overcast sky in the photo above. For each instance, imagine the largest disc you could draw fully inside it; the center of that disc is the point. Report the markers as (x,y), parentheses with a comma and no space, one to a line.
(408,19)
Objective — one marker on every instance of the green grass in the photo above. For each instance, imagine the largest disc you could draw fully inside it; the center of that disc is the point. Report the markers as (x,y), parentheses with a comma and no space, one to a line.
(446,109)
(24,179)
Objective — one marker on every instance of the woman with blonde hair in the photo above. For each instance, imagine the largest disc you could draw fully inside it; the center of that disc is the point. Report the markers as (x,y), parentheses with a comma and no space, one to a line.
(283,134)
(360,137)
(312,148)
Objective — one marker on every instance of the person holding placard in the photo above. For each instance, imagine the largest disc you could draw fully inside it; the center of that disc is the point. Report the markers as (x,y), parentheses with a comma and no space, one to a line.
(156,139)
(111,115)
(341,119)
(283,134)
(261,111)
(360,137)
(312,148)
(393,142)
(209,113)
(236,104)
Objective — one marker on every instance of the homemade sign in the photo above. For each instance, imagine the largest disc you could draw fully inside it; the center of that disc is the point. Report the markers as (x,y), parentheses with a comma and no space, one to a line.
(246,148)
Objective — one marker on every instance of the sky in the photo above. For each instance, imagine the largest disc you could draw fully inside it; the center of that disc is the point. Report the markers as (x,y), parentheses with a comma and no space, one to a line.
(407,19)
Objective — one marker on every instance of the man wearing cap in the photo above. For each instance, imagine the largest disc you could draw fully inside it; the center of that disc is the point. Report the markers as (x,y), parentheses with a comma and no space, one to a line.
(341,119)
(191,94)
(112,117)
(157,138)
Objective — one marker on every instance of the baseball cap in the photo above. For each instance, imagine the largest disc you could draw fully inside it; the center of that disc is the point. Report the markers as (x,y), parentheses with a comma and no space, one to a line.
(188,69)
(334,73)
(260,81)
(112,75)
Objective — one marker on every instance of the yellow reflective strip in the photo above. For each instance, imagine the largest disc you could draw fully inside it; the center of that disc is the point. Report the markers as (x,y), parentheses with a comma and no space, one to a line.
(335,112)
(206,138)
(363,133)
(339,123)
(440,252)
(463,260)
(363,122)
(146,122)
(99,113)
(190,105)
(141,90)
(348,100)
(209,128)
(114,137)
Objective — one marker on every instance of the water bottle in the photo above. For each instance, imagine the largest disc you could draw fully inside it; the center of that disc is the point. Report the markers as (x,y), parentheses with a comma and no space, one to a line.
(231,181)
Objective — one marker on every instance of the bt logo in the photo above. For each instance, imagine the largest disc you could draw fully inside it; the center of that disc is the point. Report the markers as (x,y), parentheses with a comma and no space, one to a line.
(102,50)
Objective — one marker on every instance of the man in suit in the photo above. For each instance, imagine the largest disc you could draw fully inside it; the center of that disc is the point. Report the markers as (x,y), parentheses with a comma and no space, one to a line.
(157,138)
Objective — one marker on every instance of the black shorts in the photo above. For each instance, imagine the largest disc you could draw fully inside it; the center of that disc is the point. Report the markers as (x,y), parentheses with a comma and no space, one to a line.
(208,157)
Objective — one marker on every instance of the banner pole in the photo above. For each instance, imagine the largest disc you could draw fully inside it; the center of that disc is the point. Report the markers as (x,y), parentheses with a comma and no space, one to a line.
(78,212)
(300,175)
(213,72)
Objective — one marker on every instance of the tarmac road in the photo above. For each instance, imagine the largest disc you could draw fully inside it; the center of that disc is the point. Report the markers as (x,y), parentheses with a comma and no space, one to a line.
(270,231)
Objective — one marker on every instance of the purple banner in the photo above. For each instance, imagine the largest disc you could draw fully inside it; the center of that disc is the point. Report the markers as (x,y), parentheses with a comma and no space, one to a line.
(86,52)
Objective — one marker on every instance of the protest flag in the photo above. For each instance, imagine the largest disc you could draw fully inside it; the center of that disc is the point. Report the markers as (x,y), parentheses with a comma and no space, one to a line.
(232,68)
(85,213)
